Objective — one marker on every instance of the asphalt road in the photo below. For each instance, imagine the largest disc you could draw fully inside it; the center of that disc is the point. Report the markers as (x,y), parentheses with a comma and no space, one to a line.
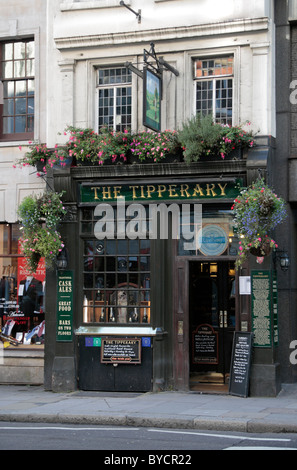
(136,446)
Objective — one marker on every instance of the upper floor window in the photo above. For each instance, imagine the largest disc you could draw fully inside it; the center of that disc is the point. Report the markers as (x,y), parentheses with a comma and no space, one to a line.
(214,88)
(114,98)
(17,76)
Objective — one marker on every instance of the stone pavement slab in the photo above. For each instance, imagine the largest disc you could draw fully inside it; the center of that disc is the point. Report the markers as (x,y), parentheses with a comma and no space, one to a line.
(165,409)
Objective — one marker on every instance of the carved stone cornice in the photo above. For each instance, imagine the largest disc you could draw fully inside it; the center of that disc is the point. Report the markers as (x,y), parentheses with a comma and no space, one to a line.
(172,33)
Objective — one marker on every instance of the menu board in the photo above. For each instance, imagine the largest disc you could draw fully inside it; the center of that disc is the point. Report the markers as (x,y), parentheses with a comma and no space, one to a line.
(121,350)
(240,364)
(261,308)
(204,345)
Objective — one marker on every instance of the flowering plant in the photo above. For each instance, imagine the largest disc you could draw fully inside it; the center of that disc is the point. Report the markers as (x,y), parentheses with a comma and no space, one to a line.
(37,153)
(112,144)
(87,145)
(201,137)
(154,145)
(40,243)
(42,157)
(39,217)
(233,137)
(257,211)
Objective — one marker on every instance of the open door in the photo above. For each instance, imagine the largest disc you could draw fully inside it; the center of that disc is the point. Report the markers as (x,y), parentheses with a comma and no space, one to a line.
(211,323)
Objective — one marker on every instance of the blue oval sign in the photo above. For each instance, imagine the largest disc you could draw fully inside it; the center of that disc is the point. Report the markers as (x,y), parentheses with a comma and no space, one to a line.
(213,240)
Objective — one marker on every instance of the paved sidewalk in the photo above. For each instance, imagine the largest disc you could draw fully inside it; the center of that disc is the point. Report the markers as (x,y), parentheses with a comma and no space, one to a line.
(166,409)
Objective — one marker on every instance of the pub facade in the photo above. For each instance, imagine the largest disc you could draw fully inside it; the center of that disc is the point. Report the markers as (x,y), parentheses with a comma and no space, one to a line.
(150,298)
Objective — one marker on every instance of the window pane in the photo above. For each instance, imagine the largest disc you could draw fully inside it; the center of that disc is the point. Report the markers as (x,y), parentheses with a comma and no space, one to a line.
(15,236)
(31,87)
(19,68)
(20,124)
(30,49)
(224,105)
(8,51)
(19,50)
(8,125)
(30,68)
(31,106)
(8,109)
(30,123)
(20,88)
(204,97)
(8,89)
(20,106)
(7,70)
(214,67)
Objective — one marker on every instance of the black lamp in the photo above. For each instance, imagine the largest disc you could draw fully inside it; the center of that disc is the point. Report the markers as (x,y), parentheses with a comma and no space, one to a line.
(283,258)
(62,259)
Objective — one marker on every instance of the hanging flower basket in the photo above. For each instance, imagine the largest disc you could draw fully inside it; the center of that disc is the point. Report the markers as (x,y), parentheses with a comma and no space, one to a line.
(257,211)
(40,217)
(264,249)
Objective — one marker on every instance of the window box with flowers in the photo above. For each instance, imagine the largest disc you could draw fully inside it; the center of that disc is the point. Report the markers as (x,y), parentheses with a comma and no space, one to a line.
(39,217)
(199,139)
(202,139)
(257,211)
(155,147)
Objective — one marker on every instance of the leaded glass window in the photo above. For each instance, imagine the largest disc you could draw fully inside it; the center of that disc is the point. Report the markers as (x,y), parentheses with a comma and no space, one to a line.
(114,98)
(116,277)
(214,88)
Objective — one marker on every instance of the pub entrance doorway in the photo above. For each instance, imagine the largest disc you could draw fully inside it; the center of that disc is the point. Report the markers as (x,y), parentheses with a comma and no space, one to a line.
(211,324)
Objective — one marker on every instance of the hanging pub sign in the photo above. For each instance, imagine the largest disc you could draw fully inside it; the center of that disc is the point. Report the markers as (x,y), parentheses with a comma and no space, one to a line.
(152,93)
(64,306)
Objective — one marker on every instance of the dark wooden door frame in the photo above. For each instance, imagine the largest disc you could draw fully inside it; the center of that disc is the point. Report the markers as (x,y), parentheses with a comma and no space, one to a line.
(181,318)
(181,324)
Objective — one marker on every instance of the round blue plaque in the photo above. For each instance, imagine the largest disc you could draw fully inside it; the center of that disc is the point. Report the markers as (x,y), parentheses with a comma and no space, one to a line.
(213,240)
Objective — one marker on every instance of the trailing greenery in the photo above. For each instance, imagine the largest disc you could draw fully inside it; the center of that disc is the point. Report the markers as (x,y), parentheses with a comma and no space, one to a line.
(40,216)
(201,137)
(198,137)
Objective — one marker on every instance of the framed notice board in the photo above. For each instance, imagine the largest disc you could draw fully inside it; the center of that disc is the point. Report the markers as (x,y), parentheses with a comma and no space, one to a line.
(241,363)
(121,350)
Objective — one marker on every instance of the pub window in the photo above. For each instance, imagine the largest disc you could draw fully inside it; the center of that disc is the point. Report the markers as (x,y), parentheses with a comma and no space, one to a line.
(21,293)
(114,87)
(116,277)
(214,88)
(17,77)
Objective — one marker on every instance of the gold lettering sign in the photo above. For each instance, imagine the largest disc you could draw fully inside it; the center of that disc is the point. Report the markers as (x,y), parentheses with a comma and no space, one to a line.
(159,191)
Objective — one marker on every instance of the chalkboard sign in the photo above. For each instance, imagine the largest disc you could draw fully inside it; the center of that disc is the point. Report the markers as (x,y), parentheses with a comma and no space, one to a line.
(240,364)
(121,350)
(204,345)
